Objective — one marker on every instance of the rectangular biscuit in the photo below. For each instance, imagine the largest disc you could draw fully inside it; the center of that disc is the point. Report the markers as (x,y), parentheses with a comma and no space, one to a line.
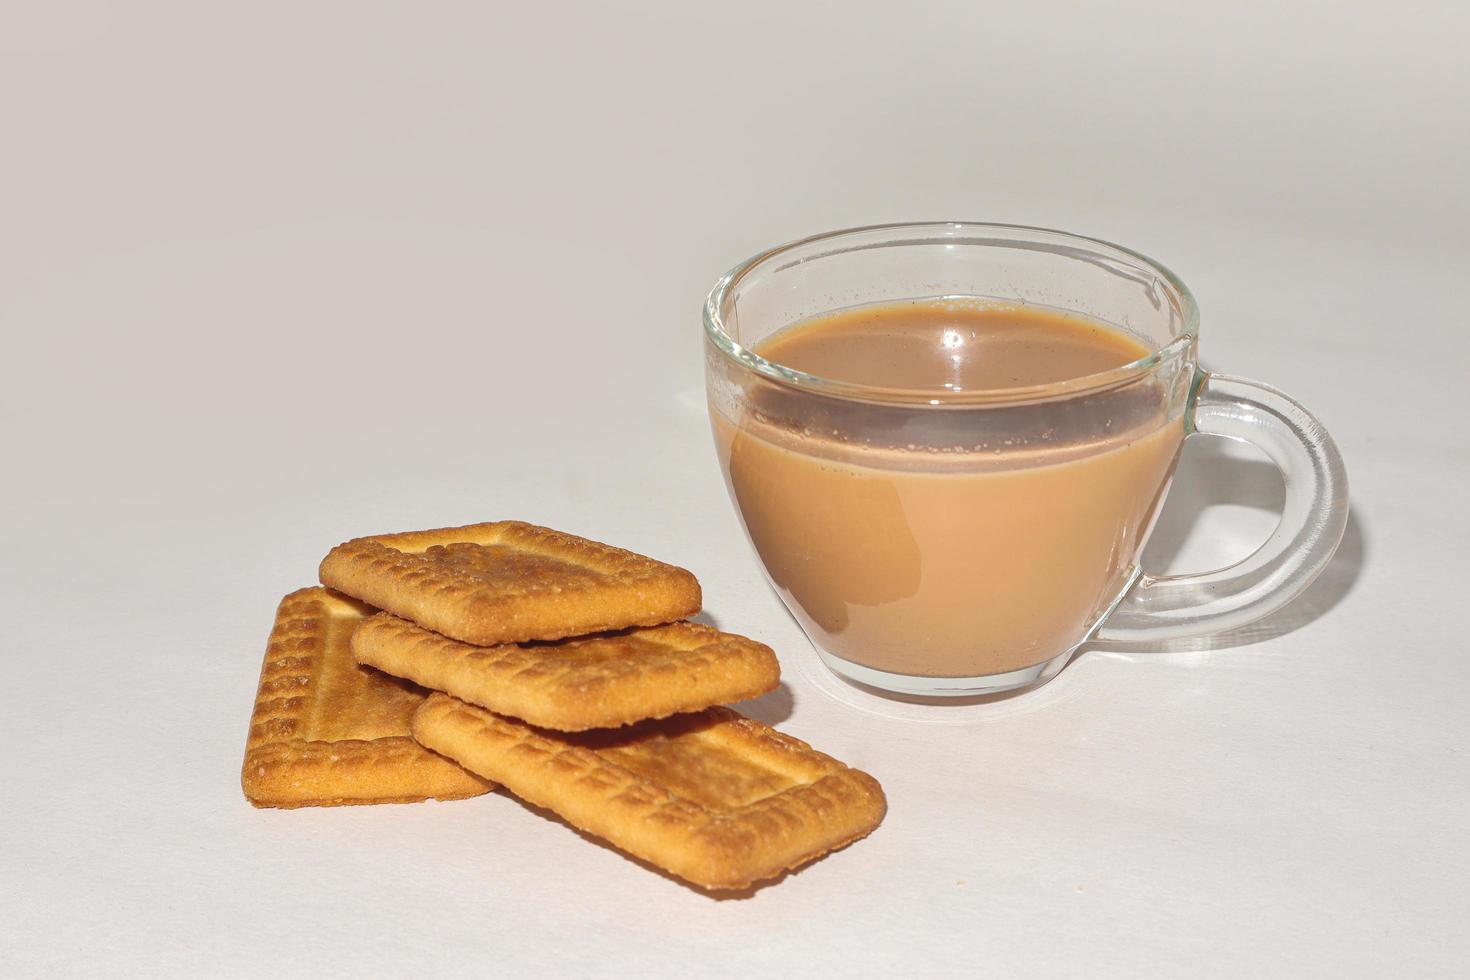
(599,681)
(327,731)
(509,582)
(715,798)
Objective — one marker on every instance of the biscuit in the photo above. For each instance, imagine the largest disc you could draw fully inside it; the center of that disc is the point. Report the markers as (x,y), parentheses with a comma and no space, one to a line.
(715,798)
(599,681)
(327,731)
(509,582)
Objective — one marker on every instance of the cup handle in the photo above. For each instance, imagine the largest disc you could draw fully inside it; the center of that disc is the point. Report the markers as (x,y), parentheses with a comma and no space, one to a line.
(1312,521)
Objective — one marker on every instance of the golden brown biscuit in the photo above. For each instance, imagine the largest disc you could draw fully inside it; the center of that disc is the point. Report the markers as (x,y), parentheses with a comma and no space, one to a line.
(327,731)
(599,681)
(509,582)
(713,797)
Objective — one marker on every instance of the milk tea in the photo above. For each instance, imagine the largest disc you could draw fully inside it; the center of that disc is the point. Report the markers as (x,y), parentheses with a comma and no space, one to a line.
(948,542)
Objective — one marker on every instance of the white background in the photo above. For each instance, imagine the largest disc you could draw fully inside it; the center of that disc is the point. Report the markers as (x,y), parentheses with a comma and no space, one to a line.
(273,275)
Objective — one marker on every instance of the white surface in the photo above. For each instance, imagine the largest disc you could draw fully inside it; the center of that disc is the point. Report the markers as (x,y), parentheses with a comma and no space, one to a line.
(275,275)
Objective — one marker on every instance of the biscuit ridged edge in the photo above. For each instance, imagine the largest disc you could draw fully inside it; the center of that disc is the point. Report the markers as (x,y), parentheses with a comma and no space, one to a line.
(283,770)
(386,570)
(715,850)
(722,668)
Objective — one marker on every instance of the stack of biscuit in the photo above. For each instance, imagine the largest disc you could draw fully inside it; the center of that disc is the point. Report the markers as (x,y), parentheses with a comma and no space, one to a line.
(438,664)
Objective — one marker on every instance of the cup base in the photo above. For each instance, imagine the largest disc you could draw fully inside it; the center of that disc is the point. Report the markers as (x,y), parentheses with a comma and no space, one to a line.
(883,681)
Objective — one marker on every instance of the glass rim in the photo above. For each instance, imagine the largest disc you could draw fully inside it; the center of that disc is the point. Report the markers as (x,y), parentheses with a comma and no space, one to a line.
(714,326)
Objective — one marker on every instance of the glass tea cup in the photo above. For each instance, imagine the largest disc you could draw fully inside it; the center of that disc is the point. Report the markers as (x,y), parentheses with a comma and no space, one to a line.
(965,542)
